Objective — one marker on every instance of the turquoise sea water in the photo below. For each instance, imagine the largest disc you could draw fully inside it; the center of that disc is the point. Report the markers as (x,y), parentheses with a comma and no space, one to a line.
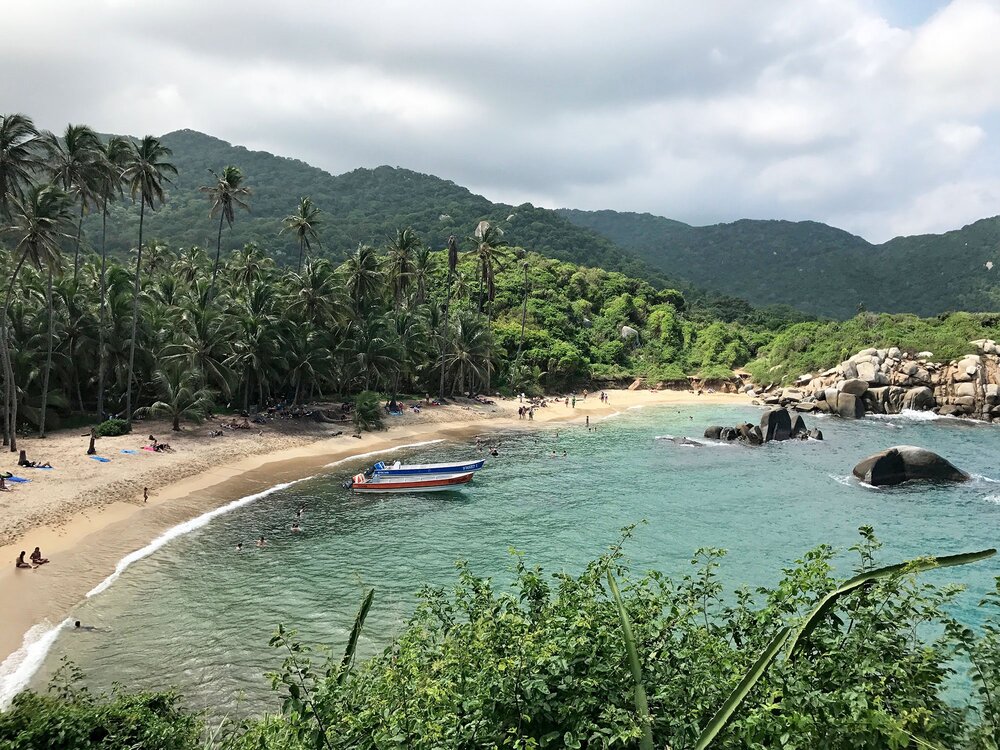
(197,615)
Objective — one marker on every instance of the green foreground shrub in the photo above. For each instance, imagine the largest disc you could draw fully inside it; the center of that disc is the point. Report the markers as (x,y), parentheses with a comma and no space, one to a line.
(113,428)
(544,664)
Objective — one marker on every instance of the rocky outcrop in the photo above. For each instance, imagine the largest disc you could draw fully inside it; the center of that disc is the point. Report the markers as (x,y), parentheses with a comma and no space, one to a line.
(775,425)
(887,381)
(905,463)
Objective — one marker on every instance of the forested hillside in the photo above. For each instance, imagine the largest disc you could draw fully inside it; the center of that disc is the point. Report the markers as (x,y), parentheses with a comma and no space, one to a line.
(363,206)
(814,267)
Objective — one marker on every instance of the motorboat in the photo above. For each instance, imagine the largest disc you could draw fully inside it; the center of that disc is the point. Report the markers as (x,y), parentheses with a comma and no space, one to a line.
(409,483)
(400,469)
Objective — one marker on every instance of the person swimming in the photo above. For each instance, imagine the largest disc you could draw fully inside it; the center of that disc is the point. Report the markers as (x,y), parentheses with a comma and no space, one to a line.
(295,526)
(262,542)
(239,547)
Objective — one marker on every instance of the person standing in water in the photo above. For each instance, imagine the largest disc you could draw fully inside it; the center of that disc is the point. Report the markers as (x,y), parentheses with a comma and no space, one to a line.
(262,542)
(239,547)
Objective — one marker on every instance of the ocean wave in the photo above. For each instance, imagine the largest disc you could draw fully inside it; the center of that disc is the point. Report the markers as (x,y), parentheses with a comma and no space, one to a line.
(995,499)
(18,668)
(846,479)
(909,415)
(987,480)
(383,450)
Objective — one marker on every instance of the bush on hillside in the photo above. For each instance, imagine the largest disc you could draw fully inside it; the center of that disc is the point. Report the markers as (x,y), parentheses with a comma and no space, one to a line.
(113,428)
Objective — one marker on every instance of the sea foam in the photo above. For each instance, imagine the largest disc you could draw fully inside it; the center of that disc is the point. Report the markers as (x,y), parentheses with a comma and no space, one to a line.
(18,668)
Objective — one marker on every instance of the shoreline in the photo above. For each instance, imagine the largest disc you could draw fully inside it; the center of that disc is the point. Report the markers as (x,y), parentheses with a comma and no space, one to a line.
(91,544)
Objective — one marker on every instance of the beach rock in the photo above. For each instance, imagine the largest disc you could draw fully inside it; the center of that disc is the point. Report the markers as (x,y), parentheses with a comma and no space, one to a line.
(919,399)
(729,434)
(713,432)
(895,353)
(867,371)
(798,428)
(856,386)
(776,424)
(806,406)
(750,433)
(904,463)
(849,406)
(925,355)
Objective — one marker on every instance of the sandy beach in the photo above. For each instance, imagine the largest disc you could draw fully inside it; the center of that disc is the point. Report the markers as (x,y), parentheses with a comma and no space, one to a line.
(86,515)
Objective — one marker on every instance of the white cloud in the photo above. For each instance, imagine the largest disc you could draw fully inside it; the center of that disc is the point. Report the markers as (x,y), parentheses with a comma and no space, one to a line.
(798,109)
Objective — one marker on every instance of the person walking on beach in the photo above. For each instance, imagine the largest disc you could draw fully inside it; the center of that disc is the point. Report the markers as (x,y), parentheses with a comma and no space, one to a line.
(145,494)
(574,402)
(531,413)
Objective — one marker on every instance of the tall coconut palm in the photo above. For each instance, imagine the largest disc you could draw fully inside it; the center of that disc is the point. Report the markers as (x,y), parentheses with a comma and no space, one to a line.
(75,163)
(21,156)
(227,194)
(452,265)
(39,223)
(305,222)
(488,250)
(524,305)
(145,173)
(423,266)
(115,155)
(364,278)
(20,159)
(401,251)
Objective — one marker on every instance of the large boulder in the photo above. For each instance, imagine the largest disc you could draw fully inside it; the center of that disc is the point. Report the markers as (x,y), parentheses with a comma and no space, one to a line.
(904,463)
(867,372)
(857,386)
(849,406)
(713,432)
(776,424)
(919,399)
(799,428)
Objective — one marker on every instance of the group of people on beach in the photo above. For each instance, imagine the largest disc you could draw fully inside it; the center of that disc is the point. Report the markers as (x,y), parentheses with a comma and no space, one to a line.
(296,527)
(35,558)
(526,412)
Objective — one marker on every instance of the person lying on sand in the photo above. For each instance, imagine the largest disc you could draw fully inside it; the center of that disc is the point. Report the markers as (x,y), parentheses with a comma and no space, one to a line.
(22,460)
(37,559)
(20,561)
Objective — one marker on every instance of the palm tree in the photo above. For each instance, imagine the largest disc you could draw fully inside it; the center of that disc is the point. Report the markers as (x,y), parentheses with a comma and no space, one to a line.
(401,250)
(452,265)
(364,279)
(181,397)
(227,194)
(115,155)
(472,354)
(20,158)
(305,222)
(144,173)
(38,223)
(75,163)
(20,146)
(423,266)
(488,251)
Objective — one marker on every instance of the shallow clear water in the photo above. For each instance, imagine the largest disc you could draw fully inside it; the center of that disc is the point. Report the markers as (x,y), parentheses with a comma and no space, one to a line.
(198,616)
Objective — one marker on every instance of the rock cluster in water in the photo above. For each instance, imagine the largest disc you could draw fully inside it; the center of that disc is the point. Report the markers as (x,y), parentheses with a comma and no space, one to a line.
(775,425)
(886,381)
(904,463)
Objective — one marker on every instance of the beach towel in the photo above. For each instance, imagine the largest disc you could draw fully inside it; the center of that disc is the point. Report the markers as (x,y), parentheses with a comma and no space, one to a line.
(129,450)
(102,459)
(44,468)
(18,480)
(149,448)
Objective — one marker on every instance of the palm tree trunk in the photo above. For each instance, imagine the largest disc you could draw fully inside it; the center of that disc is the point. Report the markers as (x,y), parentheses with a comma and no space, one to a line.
(218,252)
(246,393)
(10,390)
(135,314)
(524,318)
(101,355)
(79,231)
(444,334)
(48,357)
(302,246)
(177,423)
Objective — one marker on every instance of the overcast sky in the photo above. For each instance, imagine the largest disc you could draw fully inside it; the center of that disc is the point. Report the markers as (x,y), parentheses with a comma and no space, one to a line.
(879,117)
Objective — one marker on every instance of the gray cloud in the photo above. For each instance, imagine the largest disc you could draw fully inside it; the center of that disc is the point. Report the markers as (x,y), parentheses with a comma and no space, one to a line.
(790,109)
